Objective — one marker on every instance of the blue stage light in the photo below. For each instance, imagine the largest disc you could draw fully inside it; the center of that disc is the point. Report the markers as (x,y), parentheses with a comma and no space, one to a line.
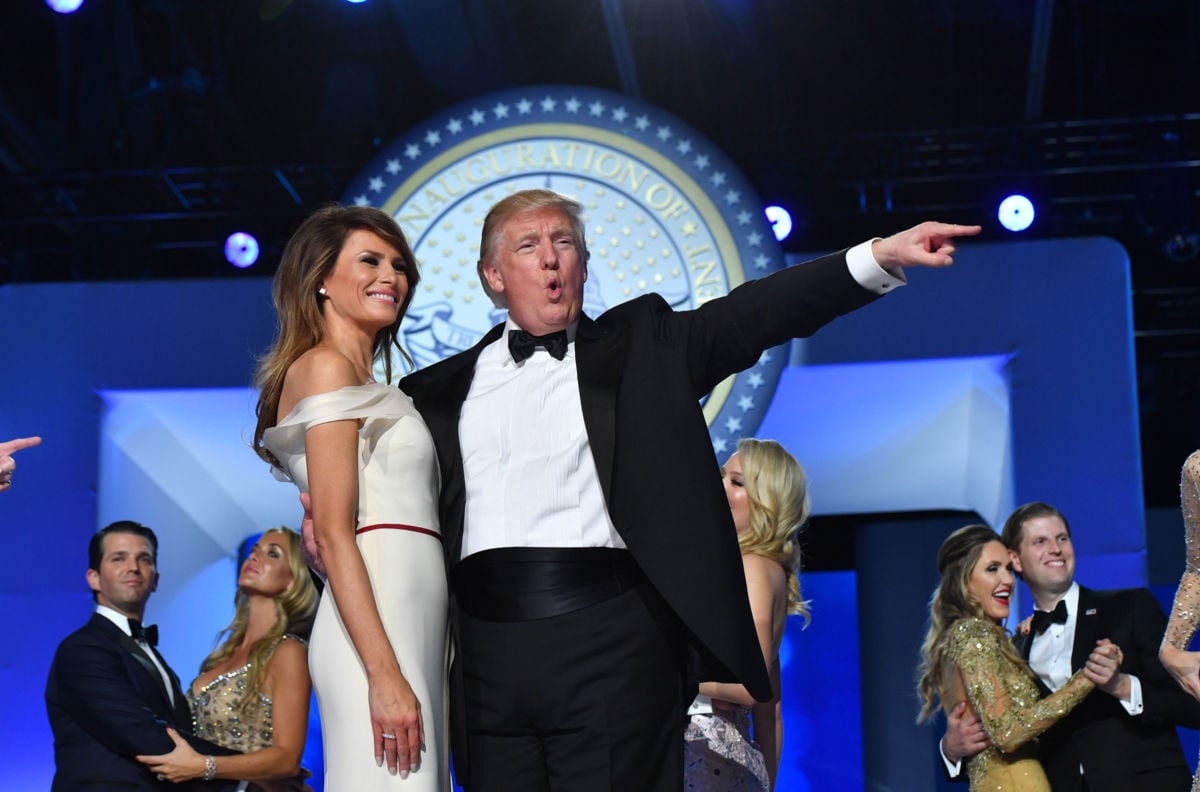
(356,2)
(64,6)
(781,221)
(1016,213)
(241,249)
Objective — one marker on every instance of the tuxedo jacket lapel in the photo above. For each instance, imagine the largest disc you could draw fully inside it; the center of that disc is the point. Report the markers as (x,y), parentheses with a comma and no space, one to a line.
(598,360)
(135,651)
(1087,628)
(440,400)
(1023,643)
(183,711)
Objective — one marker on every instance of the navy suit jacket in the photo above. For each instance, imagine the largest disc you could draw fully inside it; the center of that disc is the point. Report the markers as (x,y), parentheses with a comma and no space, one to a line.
(1119,752)
(107,704)
(642,370)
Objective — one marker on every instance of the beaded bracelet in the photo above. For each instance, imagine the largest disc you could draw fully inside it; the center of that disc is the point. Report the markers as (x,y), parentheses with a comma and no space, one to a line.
(210,768)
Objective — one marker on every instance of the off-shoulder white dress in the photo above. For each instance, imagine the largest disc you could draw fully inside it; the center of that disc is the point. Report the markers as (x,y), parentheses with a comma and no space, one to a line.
(398,536)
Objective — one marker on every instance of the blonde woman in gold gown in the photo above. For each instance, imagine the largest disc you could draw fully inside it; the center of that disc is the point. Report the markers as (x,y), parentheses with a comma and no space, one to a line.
(968,656)
(1185,613)
(253,690)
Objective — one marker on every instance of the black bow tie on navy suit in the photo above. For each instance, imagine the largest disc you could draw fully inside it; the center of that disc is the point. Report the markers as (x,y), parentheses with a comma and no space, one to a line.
(1043,619)
(521,344)
(148,634)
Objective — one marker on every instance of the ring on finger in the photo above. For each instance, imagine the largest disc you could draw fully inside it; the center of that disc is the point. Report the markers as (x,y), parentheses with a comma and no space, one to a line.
(387,736)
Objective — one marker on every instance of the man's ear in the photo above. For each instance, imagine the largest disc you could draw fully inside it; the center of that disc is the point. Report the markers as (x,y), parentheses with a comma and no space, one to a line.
(93,579)
(492,273)
(154,582)
(1016,560)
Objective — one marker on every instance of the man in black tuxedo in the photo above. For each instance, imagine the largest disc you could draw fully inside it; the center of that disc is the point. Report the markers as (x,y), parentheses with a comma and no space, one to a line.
(110,695)
(1122,737)
(595,572)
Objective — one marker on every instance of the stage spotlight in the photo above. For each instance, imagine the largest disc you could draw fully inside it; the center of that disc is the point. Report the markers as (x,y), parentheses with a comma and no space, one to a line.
(1182,247)
(64,6)
(355,2)
(781,221)
(1016,213)
(241,249)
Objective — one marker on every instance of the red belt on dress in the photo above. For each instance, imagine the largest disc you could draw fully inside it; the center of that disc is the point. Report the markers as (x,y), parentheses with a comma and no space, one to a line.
(398,527)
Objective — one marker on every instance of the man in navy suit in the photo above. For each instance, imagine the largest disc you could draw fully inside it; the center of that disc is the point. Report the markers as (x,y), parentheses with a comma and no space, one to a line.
(1122,737)
(110,695)
(590,543)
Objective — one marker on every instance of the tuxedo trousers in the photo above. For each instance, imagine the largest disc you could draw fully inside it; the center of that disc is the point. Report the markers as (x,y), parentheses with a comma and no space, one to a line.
(588,700)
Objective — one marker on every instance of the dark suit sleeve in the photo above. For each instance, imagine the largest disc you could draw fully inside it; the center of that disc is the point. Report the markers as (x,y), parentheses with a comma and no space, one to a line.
(97,688)
(1164,701)
(728,334)
(962,777)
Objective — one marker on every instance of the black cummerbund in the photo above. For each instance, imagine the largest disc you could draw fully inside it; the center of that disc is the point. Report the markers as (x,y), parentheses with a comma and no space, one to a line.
(526,583)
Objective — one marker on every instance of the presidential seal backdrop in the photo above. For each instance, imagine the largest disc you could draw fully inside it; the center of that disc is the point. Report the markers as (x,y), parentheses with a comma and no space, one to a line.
(665,211)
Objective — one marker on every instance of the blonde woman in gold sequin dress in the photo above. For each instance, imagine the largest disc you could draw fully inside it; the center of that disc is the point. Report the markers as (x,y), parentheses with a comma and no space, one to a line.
(968,656)
(252,691)
(767,494)
(1185,613)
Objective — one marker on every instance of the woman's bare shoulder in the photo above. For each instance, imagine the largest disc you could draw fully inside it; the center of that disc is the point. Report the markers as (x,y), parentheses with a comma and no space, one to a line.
(761,565)
(319,370)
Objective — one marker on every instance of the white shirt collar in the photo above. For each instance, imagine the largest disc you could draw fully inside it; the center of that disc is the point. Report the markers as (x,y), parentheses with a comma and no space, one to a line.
(116,617)
(1071,597)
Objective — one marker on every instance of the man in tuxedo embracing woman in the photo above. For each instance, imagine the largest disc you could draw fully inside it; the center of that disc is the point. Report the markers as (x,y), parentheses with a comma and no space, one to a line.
(110,695)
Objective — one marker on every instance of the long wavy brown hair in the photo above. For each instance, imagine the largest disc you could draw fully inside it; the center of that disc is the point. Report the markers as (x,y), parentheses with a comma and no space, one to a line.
(950,602)
(308,258)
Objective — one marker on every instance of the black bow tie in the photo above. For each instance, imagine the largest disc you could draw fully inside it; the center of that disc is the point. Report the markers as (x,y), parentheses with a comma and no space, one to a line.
(521,344)
(1043,619)
(149,634)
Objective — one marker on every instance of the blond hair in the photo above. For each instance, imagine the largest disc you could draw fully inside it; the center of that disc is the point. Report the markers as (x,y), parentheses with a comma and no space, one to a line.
(778,493)
(516,204)
(294,611)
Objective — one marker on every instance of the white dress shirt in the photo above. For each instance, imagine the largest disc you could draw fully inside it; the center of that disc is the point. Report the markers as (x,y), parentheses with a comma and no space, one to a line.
(1050,654)
(530,477)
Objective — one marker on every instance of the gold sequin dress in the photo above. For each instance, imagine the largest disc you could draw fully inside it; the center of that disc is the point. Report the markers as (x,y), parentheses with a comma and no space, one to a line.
(1006,698)
(1185,612)
(217,713)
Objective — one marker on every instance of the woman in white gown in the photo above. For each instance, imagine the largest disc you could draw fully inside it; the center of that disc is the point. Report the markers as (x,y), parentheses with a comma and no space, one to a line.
(362,452)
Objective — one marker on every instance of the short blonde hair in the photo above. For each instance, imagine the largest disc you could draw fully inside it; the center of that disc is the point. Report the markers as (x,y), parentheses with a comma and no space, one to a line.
(517,204)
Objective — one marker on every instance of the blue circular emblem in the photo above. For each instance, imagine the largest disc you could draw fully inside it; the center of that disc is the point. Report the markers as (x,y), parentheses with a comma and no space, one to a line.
(665,211)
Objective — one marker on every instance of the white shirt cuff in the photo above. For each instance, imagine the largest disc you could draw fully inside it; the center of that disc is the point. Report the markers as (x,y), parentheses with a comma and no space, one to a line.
(867,272)
(1135,705)
(953,768)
